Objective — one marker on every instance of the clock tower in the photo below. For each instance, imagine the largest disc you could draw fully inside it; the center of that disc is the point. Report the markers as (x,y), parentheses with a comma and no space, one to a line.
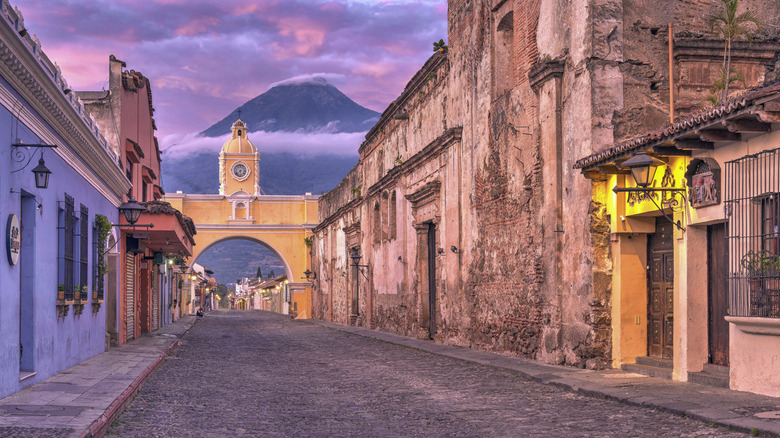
(239,164)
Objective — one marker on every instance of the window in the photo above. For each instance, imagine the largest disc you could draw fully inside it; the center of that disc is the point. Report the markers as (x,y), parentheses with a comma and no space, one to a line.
(66,256)
(752,205)
(385,216)
(144,189)
(377,223)
(84,250)
(392,216)
(769,223)
(129,170)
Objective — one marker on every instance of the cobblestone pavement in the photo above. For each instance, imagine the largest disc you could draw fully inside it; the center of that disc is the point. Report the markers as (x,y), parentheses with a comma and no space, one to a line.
(259,374)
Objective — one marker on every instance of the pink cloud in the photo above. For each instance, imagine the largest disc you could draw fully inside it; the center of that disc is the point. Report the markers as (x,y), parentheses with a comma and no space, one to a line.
(197,26)
(206,57)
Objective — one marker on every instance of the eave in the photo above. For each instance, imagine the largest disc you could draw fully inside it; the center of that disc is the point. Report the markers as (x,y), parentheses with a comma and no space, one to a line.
(755,112)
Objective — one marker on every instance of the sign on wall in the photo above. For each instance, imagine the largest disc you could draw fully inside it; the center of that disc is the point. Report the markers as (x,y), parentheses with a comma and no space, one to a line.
(13,239)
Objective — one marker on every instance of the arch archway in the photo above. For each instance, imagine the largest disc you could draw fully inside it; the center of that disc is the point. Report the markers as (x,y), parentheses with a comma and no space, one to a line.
(197,255)
(280,223)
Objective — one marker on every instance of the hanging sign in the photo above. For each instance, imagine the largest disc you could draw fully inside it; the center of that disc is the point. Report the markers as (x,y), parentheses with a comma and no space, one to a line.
(13,239)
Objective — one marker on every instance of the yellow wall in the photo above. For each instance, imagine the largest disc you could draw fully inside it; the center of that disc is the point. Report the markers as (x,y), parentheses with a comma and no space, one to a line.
(280,223)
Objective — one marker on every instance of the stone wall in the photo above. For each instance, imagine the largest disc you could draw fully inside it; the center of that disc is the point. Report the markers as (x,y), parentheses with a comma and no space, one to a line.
(479,148)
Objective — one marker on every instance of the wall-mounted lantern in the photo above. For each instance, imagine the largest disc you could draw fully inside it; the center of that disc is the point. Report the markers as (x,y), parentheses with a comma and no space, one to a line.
(41,174)
(643,168)
(40,171)
(132,211)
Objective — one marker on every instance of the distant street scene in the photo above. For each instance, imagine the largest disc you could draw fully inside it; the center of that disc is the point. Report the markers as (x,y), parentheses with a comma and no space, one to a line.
(245,373)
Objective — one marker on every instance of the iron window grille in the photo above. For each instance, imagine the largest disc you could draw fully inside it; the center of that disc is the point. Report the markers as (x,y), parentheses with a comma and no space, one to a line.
(66,259)
(752,203)
(84,250)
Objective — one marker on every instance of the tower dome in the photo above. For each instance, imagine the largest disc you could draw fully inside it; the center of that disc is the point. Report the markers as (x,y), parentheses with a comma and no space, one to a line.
(239,143)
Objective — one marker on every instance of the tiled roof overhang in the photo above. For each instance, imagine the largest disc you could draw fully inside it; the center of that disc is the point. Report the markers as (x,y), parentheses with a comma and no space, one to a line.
(752,112)
(133,151)
(149,175)
(172,232)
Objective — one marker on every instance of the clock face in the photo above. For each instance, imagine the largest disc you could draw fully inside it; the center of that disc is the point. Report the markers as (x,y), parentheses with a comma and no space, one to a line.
(240,171)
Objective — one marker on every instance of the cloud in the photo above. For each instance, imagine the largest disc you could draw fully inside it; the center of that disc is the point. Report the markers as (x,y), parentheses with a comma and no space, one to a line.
(206,57)
(316,78)
(309,144)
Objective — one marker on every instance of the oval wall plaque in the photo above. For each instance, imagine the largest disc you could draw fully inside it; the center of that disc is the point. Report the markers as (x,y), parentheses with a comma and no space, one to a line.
(14,239)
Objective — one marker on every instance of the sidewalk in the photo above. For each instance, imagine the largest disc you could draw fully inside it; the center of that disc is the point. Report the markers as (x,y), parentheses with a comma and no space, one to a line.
(741,411)
(83,400)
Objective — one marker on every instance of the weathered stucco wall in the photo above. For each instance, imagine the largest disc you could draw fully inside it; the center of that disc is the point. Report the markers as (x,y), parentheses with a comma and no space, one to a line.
(480,147)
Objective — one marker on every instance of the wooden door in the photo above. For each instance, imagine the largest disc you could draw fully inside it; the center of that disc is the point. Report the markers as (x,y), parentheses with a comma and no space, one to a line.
(660,304)
(717,300)
(431,280)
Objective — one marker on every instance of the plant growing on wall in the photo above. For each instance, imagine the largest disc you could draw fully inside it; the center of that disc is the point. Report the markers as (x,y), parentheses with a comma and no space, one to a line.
(103,230)
(728,25)
(308,242)
(439,46)
(356,191)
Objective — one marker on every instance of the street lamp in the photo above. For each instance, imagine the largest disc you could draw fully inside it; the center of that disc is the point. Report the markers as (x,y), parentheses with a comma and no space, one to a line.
(643,167)
(356,296)
(41,174)
(132,211)
(22,153)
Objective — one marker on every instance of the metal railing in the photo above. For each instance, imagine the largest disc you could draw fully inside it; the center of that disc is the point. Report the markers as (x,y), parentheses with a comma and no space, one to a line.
(752,208)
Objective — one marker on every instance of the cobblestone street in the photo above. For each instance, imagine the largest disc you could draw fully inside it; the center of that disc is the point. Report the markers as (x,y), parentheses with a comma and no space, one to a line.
(260,374)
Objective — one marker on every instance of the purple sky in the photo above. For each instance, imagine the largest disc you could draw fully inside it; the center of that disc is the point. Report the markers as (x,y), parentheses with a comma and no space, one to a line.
(206,57)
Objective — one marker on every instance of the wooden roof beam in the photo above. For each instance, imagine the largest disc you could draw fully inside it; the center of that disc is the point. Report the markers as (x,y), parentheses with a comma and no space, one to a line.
(612,169)
(671,151)
(748,126)
(768,116)
(693,144)
(716,135)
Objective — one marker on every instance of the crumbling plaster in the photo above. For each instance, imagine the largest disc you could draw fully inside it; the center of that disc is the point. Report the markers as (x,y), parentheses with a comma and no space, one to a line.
(524,258)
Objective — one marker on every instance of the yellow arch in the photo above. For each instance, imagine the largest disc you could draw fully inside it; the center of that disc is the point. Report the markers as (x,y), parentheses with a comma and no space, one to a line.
(280,223)
(203,245)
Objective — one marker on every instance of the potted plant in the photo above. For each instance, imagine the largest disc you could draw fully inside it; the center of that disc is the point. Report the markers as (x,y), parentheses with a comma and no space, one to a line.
(77,292)
(751,264)
(61,291)
(84,292)
(771,267)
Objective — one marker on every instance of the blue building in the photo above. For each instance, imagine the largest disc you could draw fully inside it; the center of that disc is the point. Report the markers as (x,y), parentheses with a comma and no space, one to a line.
(56,271)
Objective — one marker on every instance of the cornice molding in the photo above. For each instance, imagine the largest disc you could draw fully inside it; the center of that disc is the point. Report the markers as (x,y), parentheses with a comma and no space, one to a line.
(40,83)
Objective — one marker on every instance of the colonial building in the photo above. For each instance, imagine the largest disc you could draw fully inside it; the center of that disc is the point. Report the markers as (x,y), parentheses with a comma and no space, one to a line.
(150,252)
(711,266)
(60,188)
(465,221)
(242,211)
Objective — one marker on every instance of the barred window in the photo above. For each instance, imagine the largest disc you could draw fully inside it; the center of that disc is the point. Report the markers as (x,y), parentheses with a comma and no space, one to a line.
(84,249)
(752,202)
(66,257)
(377,217)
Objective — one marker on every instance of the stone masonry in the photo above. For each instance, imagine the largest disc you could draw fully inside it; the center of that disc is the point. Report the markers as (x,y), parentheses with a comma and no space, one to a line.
(471,224)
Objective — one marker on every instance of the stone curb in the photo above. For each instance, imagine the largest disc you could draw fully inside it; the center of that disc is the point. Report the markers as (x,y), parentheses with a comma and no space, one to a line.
(100,426)
(724,419)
